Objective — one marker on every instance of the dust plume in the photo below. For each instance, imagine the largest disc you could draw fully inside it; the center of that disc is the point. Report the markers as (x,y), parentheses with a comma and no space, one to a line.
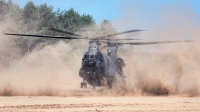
(168,69)
(43,72)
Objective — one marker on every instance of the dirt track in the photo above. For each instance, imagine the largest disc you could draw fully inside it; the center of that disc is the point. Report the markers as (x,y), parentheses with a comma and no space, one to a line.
(101,104)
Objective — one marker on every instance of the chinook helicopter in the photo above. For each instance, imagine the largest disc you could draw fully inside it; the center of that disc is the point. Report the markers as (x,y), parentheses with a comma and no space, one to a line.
(98,68)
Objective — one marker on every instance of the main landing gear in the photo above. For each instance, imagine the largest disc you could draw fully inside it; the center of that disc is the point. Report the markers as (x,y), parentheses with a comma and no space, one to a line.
(83,84)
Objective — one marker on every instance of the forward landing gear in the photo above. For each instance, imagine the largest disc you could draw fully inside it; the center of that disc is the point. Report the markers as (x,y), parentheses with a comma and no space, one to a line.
(83,84)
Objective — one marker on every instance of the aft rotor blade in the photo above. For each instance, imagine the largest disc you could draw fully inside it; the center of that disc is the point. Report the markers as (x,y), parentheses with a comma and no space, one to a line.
(45,36)
(129,31)
(157,42)
(61,31)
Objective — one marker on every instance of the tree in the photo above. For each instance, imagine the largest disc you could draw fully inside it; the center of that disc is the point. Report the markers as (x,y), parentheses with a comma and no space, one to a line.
(3,9)
(106,28)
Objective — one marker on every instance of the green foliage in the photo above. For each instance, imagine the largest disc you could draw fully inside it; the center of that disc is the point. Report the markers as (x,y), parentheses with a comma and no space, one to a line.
(72,21)
(3,9)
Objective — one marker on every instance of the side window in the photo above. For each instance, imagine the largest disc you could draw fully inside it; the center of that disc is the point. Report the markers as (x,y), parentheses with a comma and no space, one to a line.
(108,51)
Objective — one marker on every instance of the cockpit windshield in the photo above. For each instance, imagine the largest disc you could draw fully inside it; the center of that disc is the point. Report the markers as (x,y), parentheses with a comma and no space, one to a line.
(91,56)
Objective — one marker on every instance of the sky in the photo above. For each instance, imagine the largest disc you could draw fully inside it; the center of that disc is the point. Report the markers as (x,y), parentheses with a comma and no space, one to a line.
(114,10)
(153,16)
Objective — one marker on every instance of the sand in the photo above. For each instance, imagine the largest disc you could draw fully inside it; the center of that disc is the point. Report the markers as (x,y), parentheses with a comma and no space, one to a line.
(99,103)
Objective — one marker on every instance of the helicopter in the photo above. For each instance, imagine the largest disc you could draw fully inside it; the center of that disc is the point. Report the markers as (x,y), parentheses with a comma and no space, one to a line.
(99,68)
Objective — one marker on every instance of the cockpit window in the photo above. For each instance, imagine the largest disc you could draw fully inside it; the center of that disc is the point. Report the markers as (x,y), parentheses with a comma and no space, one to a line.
(86,56)
(93,56)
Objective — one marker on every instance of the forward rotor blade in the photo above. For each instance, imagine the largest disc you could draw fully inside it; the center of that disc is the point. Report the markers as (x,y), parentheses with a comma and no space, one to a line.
(158,42)
(103,42)
(119,39)
(103,47)
(61,31)
(130,31)
(45,36)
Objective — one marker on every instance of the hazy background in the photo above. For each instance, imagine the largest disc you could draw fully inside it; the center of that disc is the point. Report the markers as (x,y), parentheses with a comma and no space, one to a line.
(151,69)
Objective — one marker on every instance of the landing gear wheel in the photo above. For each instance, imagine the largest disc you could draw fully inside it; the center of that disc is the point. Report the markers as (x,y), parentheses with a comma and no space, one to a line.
(109,84)
(83,85)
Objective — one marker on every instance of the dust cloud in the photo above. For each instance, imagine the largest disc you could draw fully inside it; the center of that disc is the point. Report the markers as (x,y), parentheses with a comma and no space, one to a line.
(43,72)
(168,69)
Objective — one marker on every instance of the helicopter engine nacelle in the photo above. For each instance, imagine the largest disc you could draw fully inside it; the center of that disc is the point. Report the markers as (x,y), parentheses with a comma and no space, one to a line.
(120,62)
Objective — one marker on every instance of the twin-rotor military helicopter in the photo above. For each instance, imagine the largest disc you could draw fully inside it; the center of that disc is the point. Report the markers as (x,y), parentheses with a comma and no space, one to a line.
(98,68)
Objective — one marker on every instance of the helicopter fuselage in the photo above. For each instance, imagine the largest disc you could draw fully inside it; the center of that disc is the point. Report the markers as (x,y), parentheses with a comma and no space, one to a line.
(99,69)
(93,68)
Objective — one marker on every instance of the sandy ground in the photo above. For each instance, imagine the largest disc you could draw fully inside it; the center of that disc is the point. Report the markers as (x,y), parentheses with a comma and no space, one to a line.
(99,103)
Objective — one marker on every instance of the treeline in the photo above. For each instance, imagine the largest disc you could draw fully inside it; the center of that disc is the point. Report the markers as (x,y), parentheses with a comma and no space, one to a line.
(36,19)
